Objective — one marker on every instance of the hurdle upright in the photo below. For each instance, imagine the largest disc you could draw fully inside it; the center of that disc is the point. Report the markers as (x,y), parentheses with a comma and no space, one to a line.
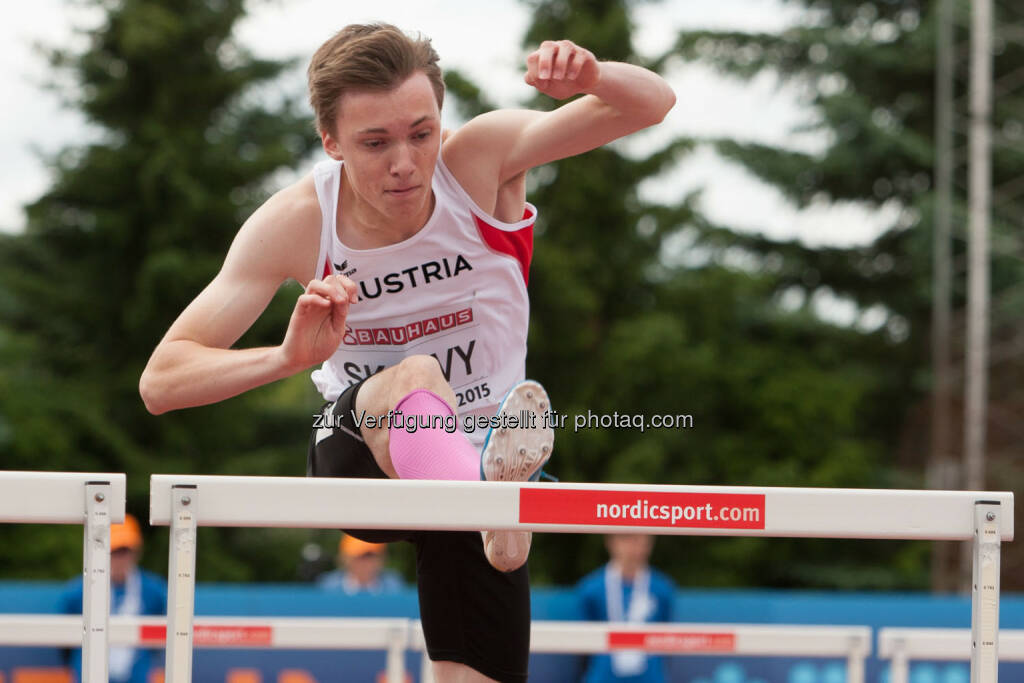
(187,501)
(901,645)
(94,500)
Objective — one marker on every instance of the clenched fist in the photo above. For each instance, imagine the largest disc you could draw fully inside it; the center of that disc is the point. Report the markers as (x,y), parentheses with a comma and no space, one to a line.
(317,325)
(562,69)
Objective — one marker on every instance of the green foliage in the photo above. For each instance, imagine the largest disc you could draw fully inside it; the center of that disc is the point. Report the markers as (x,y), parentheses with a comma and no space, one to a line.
(134,225)
(777,397)
(138,222)
(868,70)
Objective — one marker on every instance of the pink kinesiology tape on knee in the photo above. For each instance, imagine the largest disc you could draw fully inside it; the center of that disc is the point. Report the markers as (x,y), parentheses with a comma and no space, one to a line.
(426,450)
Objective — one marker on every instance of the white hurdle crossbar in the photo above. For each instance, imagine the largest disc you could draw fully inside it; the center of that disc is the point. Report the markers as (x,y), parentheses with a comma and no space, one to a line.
(852,643)
(902,645)
(276,633)
(187,501)
(94,500)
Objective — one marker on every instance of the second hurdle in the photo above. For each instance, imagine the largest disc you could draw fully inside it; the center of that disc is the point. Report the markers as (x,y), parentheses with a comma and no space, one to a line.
(185,502)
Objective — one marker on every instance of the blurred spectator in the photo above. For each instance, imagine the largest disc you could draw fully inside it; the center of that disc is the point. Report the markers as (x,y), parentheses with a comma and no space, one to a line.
(626,589)
(361,569)
(133,591)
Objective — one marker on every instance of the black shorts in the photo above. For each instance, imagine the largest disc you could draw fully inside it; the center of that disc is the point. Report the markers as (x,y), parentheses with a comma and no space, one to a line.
(472,613)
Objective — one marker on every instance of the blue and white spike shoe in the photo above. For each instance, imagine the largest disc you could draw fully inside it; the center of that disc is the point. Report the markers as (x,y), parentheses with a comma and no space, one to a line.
(519,453)
(516,454)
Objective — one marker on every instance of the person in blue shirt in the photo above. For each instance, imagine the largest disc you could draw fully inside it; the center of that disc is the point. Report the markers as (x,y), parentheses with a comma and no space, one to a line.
(627,589)
(133,591)
(361,569)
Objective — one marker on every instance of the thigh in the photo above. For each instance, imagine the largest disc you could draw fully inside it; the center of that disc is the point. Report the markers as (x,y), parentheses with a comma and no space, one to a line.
(472,613)
(337,449)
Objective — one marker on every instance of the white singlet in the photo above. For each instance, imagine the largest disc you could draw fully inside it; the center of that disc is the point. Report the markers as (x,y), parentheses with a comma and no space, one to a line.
(455,290)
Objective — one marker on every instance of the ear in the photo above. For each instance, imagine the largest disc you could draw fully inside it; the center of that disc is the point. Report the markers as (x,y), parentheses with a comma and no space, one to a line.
(330,145)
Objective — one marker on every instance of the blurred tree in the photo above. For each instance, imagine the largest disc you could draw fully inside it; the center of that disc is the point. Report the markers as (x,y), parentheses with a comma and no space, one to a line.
(867,69)
(644,308)
(638,307)
(134,225)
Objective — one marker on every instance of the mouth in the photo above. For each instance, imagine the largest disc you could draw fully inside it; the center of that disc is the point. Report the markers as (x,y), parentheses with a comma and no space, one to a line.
(403,191)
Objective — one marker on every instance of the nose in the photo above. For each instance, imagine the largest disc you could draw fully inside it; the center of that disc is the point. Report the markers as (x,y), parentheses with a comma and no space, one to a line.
(402,164)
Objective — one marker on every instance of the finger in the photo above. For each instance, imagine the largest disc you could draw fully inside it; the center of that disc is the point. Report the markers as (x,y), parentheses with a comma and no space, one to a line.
(339,314)
(561,61)
(350,289)
(336,287)
(531,67)
(532,61)
(576,64)
(545,58)
(323,288)
(309,302)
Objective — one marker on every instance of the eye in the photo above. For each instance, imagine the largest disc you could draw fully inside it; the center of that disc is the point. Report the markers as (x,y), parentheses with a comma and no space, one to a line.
(373,144)
(423,134)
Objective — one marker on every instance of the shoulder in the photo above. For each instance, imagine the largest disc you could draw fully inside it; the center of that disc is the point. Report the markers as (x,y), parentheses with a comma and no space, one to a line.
(392,575)
(294,206)
(477,156)
(151,580)
(503,123)
(391,580)
(152,584)
(70,598)
(661,581)
(154,592)
(283,235)
(72,585)
(332,579)
(592,582)
(486,141)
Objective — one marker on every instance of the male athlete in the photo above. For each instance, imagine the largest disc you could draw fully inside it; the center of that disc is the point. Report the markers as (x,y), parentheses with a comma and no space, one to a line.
(414,251)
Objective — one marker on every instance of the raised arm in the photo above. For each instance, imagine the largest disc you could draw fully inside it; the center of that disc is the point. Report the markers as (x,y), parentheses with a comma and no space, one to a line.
(194,365)
(619,99)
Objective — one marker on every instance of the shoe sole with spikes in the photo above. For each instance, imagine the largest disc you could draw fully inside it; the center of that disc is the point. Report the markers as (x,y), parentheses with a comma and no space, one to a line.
(516,455)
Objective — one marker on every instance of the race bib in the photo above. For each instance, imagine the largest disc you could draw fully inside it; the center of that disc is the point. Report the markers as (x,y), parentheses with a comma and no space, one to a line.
(451,334)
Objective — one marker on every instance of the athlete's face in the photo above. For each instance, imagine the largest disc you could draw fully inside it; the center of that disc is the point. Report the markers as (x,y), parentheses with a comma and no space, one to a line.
(389,141)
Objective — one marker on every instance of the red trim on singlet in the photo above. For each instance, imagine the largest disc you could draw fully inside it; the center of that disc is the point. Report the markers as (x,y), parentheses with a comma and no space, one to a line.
(327,269)
(517,243)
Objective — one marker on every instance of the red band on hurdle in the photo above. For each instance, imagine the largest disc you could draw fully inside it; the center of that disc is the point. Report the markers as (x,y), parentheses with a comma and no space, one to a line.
(661,641)
(561,505)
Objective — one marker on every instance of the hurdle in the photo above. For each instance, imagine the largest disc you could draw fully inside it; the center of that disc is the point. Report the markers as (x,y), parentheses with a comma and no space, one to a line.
(94,500)
(395,636)
(852,643)
(270,633)
(902,645)
(185,502)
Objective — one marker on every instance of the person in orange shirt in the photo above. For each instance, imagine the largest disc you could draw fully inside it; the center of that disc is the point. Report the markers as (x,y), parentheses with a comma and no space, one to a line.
(133,591)
(361,569)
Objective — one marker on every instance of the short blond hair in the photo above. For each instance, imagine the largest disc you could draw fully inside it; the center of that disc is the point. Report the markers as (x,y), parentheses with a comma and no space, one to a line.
(363,57)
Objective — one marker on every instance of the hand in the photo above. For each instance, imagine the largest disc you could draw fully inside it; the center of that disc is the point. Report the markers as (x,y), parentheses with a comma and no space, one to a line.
(562,69)
(317,325)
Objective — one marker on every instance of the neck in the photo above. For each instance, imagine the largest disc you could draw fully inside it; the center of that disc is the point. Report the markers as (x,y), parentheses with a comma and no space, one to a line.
(627,570)
(361,226)
(362,582)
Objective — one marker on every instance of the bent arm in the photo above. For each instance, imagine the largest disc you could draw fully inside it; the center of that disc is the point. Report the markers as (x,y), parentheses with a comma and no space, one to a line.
(193,364)
(619,99)
(624,100)
(187,369)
